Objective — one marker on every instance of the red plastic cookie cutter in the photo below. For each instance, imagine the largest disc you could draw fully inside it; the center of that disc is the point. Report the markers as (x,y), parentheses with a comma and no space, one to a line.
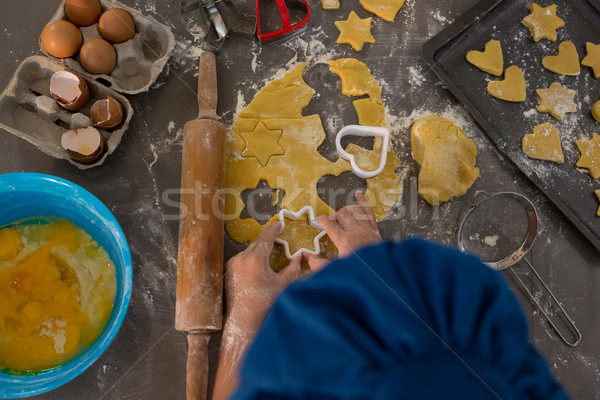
(301,6)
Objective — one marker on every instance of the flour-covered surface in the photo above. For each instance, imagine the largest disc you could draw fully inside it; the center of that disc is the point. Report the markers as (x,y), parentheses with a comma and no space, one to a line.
(140,180)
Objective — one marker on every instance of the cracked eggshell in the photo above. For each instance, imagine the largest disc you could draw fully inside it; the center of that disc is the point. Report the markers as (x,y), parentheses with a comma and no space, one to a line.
(85,145)
(107,113)
(69,90)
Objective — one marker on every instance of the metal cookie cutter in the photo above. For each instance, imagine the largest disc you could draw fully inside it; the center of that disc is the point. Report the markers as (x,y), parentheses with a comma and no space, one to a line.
(311,221)
(359,130)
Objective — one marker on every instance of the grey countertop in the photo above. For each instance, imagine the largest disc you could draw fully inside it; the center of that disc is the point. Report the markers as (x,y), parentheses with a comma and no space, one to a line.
(139,182)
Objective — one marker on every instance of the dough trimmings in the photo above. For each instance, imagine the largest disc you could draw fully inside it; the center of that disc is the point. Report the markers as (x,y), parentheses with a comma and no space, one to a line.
(262,143)
(512,88)
(556,100)
(597,192)
(386,9)
(490,59)
(590,155)
(330,4)
(566,62)
(543,22)
(355,31)
(446,156)
(592,59)
(544,144)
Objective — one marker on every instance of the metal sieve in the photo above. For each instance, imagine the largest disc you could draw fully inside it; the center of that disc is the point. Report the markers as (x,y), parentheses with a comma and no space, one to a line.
(500,229)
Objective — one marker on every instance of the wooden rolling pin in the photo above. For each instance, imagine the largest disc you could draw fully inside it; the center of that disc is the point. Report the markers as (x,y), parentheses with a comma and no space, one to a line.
(199,305)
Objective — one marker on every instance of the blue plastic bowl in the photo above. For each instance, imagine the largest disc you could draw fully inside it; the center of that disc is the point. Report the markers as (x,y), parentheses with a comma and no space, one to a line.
(26,195)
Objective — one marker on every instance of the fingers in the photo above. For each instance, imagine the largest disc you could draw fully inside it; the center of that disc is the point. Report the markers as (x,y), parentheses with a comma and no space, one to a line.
(332,227)
(290,273)
(366,208)
(315,263)
(266,238)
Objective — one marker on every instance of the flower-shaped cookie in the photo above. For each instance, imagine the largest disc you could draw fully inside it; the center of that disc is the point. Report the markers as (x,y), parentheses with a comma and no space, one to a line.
(556,100)
(590,155)
(355,31)
(543,22)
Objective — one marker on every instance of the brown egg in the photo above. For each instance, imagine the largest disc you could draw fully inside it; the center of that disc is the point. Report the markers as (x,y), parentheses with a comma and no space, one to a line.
(107,113)
(116,26)
(84,145)
(83,12)
(69,90)
(98,56)
(61,39)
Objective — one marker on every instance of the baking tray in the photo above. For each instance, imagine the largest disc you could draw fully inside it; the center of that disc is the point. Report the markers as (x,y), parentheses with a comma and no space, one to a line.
(571,189)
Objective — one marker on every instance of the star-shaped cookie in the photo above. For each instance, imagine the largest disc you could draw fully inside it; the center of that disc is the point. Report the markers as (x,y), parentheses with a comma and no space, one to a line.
(590,155)
(556,100)
(598,196)
(543,22)
(592,59)
(355,31)
(262,143)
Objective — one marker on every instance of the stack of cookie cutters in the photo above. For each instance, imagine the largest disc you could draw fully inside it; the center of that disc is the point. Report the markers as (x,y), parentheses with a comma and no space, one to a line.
(312,221)
(360,130)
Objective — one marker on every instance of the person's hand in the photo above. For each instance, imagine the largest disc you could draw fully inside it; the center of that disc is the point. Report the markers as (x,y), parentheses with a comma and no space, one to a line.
(350,228)
(250,283)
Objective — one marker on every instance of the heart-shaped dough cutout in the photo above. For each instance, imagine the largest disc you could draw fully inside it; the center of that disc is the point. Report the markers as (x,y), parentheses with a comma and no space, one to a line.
(566,62)
(512,88)
(490,59)
(544,144)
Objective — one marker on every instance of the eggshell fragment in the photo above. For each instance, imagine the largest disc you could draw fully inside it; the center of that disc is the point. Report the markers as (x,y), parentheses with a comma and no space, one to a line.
(69,90)
(98,57)
(116,26)
(107,113)
(83,12)
(84,145)
(61,39)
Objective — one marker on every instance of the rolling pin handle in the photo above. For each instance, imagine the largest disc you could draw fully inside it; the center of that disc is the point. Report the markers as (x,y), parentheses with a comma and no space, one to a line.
(197,367)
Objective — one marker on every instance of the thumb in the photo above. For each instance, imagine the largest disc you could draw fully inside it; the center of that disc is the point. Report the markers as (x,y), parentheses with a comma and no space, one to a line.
(290,273)
(315,263)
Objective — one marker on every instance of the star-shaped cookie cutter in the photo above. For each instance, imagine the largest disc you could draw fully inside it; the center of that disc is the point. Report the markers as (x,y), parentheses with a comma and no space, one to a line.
(312,221)
(360,130)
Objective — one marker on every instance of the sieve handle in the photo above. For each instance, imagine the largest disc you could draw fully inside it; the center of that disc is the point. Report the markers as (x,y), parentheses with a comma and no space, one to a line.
(574,332)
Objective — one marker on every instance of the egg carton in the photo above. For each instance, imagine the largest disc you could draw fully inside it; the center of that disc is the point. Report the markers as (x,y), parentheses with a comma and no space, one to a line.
(29,111)
(139,60)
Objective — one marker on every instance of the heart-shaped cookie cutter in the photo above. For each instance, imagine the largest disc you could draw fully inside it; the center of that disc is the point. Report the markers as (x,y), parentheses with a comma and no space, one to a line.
(312,221)
(360,130)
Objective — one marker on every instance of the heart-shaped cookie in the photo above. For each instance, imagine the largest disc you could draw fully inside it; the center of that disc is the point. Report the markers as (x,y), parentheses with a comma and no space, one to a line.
(490,59)
(544,144)
(512,88)
(566,62)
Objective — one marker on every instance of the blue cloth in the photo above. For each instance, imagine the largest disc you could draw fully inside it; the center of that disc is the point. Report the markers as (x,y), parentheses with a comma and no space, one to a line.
(412,320)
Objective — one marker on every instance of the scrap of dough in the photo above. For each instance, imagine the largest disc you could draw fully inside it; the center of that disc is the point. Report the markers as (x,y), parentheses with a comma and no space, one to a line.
(330,4)
(592,59)
(386,9)
(512,88)
(598,196)
(447,158)
(596,111)
(566,62)
(490,59)
(590,155)
(355,31)
(279,106)
(543,22)
(544,144)
(556,100)
(262,143)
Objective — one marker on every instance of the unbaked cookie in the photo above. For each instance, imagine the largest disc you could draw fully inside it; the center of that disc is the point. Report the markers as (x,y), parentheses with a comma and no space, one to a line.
(590,155)
(592,59)
(598,196)
(544,144)
(596,111)
(543,22)
(330,4)
(556,100)
(512,88)
(446,156)
(490,59)
(386,9)
(355,31)
(566,62)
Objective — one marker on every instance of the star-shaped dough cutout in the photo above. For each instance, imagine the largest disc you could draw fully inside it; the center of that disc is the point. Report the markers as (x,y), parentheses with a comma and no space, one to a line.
(262,143)
(592,59)
(590,155)
(556,100)
(355,31)
(543,22)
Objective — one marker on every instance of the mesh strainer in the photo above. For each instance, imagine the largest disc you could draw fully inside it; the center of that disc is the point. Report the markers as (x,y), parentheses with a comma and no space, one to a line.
(501,228)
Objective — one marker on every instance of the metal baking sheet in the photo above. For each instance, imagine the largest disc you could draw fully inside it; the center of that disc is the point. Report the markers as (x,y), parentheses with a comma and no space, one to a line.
(570,188)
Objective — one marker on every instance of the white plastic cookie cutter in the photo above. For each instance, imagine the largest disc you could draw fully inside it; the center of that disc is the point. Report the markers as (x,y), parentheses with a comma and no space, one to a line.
(360,130)
(312,221)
